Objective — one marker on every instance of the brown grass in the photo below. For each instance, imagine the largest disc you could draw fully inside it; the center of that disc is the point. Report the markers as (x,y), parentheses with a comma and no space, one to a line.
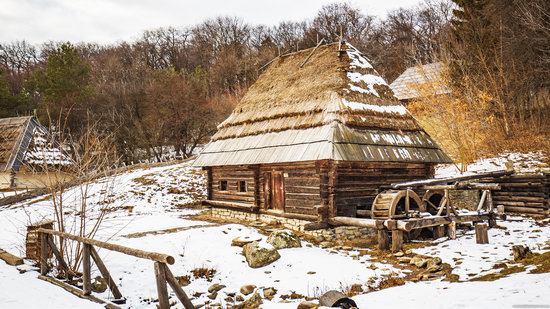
(204,272)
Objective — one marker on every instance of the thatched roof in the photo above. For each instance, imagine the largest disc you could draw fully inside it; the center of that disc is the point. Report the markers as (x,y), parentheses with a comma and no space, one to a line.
(336,106)
(25,140)
(405,86)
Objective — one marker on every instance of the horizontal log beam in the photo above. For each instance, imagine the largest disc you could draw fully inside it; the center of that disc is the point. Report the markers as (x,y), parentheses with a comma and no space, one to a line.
(435,181)
(249,207)
(359,222)
(155,256)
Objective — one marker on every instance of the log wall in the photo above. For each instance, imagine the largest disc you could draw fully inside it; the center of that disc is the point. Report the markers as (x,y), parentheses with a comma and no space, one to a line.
(233,174)
(358,182)
(301,186)
(527,194)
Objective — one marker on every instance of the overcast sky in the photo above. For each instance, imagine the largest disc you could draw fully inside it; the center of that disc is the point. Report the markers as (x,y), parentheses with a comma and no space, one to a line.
(109,21)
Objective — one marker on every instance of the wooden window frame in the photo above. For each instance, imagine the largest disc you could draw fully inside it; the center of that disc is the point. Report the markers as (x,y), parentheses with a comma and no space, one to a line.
(245,186)
(221,184)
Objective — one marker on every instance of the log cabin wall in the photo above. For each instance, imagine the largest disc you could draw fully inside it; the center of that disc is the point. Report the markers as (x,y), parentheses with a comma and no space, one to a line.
(357,183)
(232,175)
(301,187)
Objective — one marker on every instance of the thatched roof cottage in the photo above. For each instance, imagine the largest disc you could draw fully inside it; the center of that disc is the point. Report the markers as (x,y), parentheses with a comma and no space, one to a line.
(428,77)
(317,135)
(29,157)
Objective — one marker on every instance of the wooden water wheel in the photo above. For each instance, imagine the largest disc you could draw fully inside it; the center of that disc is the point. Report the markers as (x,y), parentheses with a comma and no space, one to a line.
(394,204)
(435,202)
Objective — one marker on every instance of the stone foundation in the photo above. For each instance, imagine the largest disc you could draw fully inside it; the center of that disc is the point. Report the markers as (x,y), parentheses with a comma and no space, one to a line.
(328,234)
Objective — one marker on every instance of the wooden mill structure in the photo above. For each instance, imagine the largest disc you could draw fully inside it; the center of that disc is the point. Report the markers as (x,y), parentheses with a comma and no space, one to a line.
(315,137)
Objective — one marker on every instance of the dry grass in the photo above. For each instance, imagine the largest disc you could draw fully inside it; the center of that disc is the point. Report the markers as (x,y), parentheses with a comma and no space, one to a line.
(204,272)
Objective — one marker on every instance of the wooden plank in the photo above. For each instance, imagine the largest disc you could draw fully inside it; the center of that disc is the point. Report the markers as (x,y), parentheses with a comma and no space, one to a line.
(10,259)
(75,291)
(451,230)
(105,273)
(180,294)
(162,290)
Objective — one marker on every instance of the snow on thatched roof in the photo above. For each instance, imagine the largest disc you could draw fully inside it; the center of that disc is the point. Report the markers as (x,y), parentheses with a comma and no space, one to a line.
(335,106)
(404,86)
(23,140)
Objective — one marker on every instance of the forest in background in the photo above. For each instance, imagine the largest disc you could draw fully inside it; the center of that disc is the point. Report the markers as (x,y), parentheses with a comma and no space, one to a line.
(171,87)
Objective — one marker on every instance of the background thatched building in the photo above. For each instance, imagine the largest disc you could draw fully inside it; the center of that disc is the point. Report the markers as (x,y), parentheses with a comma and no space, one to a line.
(316,135)
(29,158)
(428,78)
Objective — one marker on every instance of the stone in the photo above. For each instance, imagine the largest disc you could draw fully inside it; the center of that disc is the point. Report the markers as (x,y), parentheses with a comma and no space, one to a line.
(212,295)
(399,254)
(247,289)
(259,254)
(435,261)
(215,287)
(284,239)
(404,260)
(239,297)
(433,268)
(243,240)
(520,252)
(269,293)
(99,285)
(419,261)
(325,244)
(308,305)
(253,302)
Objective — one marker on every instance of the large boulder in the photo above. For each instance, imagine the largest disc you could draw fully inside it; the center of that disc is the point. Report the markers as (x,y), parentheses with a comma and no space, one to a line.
(259,254)
(284,239)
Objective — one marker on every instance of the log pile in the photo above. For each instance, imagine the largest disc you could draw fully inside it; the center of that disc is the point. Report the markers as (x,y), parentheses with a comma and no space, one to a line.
(525,194)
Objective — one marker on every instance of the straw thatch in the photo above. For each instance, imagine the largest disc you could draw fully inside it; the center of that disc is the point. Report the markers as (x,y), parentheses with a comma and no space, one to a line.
(23,140)
(335,106)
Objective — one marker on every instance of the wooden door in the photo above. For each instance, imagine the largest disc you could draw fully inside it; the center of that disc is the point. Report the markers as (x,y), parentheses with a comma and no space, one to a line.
(277,191)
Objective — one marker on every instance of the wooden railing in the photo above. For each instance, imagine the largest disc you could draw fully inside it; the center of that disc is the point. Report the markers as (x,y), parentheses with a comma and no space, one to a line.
(164,276)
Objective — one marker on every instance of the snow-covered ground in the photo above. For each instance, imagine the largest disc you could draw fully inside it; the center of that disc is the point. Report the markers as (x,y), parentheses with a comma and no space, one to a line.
(147,210)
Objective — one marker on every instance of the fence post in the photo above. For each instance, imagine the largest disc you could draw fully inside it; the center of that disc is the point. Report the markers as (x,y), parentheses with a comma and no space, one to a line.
(43,253)
(162,289)
(86,271)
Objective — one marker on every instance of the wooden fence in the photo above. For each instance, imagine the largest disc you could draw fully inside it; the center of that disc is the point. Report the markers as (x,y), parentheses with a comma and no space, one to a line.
(163,274)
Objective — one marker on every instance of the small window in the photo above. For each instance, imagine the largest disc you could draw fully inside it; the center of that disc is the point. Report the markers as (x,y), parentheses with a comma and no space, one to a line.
(242,186)
(223,185)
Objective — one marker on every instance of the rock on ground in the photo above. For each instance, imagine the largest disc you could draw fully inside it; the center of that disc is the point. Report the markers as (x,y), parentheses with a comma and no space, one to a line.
(247,289)
(253,302)
(284,239)
(259,254)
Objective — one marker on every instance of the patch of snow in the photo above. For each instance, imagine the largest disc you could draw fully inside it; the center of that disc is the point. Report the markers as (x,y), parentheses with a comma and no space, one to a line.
(369,79)
(531,162)
(395,109)
(27,291)
(516,291)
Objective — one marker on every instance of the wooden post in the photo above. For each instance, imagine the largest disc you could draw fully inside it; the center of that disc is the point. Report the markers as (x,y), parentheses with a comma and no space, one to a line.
(59,257)
(383,239)
(451,230)
(43,253)
(396,240)
(492,221)
(482,236)
(500,210)
(439,231)
(187,304)
(160,274)
(105,273)
(86,270)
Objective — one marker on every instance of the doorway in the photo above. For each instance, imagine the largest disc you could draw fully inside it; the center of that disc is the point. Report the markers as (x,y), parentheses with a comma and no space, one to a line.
(274,189)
